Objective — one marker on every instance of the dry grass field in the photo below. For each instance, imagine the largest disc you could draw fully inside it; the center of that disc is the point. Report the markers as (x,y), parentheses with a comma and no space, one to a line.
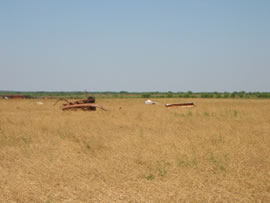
(218,151)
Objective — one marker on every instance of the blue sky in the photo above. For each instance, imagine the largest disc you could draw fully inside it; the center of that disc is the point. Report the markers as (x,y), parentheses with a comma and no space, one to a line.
(142,45)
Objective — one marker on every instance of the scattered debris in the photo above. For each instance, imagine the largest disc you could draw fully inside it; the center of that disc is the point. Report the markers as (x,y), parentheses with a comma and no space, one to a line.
(190,104)
(40,103)
(150,102)
(85,104)
(89,107)
(14,96)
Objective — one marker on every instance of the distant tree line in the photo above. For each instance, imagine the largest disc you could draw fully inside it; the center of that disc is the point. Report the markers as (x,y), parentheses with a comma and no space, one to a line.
(189,94)
(126,94)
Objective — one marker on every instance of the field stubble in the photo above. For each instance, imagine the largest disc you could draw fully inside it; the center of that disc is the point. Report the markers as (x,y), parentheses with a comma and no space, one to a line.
(217,151)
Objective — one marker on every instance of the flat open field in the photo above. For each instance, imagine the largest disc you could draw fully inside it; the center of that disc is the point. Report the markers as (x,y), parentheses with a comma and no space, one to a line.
(219,150)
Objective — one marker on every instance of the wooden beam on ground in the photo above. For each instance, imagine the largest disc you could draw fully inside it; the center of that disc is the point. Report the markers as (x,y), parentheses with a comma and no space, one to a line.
(190,104)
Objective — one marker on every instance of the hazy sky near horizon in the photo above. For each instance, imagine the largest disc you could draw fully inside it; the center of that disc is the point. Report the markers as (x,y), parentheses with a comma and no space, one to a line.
(142,45)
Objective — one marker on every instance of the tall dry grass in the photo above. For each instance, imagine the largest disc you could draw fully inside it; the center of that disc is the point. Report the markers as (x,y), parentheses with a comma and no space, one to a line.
(217,151)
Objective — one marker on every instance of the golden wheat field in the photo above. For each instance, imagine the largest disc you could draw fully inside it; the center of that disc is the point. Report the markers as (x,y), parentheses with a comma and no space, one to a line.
(218,151)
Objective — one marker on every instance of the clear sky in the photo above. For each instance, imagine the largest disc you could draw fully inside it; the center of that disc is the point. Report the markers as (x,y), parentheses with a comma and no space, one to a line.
(135,45)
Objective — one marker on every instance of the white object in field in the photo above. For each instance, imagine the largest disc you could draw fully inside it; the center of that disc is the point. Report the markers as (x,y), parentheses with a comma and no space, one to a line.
(150,102)
(40,103)
(6,97)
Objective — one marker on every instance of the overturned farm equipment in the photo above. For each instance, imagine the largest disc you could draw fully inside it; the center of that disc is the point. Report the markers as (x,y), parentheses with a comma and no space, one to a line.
(189,104)
(85,104)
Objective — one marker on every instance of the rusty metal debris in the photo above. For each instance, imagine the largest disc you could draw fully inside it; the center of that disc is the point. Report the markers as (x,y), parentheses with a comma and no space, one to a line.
(14,96)
(85,104)
(88,107)
(190,104)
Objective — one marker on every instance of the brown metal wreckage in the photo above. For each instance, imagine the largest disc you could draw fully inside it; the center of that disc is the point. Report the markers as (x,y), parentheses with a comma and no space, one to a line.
(189,104)
(85,104)
(14,96)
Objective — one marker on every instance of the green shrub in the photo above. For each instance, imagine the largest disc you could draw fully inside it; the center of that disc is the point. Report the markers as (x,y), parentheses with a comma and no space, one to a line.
(170,94)
(146,95)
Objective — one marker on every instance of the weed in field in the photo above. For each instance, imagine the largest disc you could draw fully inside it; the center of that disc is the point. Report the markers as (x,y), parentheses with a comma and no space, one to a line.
(206,114)
(212,158)
(162,168)
(141,132)
(88,146)
(7,140)
(235,113)
(218,162)
(49,200)
(150,177)
(2,137)
(216,139)
(63,134)
(178,114)
(185,162)
(27,139)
